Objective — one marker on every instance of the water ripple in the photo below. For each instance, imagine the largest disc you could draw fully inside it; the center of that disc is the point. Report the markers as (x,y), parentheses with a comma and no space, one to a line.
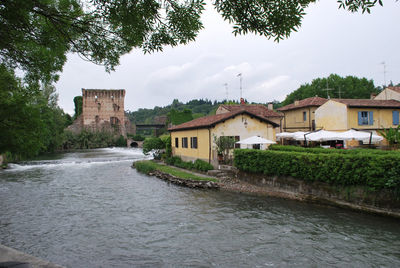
(91,209)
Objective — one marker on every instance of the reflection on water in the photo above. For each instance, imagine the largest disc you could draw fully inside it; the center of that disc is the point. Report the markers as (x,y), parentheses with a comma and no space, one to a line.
(90,209)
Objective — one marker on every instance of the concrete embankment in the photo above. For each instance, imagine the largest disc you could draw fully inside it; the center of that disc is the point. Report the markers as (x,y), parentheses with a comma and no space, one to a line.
(10,258)
(355,197)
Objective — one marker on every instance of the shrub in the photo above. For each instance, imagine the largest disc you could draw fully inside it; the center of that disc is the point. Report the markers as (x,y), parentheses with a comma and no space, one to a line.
(138,137)
(375,171)
(202,165)
(120,142)
(145,166)
(317,150)
(197,165)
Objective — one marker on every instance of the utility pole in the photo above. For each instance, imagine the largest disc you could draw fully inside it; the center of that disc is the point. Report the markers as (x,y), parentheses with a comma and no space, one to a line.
(240,75)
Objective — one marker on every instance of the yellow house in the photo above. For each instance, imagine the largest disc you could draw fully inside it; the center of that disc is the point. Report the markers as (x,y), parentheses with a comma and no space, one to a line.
(360,114)
(389,93)
(300,115)
(195,139)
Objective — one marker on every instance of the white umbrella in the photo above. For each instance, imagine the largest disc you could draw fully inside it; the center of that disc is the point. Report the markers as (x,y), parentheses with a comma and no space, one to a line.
(285,135)
(255,140)
(359,135)
(291,135)
(321,135)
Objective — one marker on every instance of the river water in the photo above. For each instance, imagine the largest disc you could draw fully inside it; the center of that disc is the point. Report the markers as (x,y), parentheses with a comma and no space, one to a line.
(91,209)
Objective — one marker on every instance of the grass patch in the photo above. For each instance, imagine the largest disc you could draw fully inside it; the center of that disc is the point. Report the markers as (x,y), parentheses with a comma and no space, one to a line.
(149,166)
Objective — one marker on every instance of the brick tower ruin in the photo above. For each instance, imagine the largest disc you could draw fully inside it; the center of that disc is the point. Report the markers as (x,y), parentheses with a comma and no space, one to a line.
(103,109)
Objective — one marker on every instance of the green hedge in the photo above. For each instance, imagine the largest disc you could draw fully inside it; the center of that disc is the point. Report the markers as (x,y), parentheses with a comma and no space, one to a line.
(368,169)
(320,150)
(197,165)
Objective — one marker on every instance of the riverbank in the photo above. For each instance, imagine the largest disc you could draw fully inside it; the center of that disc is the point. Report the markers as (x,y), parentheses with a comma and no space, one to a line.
(355,198)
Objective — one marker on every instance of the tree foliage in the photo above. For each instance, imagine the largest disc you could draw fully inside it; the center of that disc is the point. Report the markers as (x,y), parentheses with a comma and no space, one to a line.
(30,120)
(78,102)
(349,87)
(154,145)
(392,135)
(224,144)
(178,117)
(36,35)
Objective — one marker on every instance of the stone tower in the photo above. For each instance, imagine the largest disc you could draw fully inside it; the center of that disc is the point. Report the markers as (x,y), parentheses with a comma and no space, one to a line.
(103,109)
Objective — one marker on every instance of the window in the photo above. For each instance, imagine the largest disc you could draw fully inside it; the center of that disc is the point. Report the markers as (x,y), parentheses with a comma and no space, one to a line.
(176,143)
(365,118)
(185,142)
(193,142)
(395,117)
(304,116)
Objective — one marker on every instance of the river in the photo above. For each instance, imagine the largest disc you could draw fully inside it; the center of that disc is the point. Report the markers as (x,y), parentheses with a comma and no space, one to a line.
(91,209)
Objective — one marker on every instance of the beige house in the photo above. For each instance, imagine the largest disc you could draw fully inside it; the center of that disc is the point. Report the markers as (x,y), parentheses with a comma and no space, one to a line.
(389,93)
(300,115)
(360,114)
(195,139)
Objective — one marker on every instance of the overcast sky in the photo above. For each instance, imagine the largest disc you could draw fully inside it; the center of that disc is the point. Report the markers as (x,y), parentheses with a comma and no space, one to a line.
(329,41)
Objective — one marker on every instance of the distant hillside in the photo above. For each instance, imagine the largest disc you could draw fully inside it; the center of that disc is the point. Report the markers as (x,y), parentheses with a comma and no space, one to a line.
(197,107)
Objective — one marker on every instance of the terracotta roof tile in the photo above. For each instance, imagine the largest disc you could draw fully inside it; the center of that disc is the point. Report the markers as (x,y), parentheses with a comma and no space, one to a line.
(313,101)
(369,103)
(253,108)
(208,121)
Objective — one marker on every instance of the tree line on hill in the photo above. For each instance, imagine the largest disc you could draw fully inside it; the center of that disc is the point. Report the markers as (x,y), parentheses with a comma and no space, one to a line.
(333,86)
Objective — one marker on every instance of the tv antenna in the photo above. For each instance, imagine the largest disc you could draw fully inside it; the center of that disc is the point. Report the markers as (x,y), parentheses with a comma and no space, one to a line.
(240,75)
(226,91)
(384,73)
(327,89)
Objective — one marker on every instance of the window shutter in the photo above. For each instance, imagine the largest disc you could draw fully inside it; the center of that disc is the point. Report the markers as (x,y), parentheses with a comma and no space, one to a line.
(359,119)
(371,118)
(395,117)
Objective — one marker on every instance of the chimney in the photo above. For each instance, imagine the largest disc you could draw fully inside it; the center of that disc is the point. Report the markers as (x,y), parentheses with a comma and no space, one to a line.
(372,96)
(270,106)
(242,101)
(296,102)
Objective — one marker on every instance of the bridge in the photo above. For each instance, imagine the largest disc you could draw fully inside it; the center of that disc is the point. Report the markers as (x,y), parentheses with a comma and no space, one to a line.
(153,127)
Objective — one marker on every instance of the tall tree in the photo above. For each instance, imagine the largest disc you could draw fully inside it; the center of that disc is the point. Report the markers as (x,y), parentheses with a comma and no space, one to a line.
(30,120)
(334,86)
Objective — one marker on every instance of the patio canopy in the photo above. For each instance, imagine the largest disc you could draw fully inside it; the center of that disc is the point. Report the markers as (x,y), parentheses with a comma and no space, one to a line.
(324,135)
(255,140)
(321,135)
(289,135)
(359,135)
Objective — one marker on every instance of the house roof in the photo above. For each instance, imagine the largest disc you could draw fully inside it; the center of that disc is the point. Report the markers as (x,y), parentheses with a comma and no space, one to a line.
(369,103)
(397,89)
(252,108)
(212,120)
(313,101)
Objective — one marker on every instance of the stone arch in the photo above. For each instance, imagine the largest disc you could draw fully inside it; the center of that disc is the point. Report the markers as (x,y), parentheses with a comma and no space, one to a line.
(134,144)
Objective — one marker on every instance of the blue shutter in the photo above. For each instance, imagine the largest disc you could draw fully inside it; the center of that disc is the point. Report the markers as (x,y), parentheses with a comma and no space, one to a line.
(371,118)
(395,117)
(359,119)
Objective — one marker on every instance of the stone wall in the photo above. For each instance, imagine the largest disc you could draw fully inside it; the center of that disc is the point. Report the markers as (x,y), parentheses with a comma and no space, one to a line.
(354,197)
(102,109)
